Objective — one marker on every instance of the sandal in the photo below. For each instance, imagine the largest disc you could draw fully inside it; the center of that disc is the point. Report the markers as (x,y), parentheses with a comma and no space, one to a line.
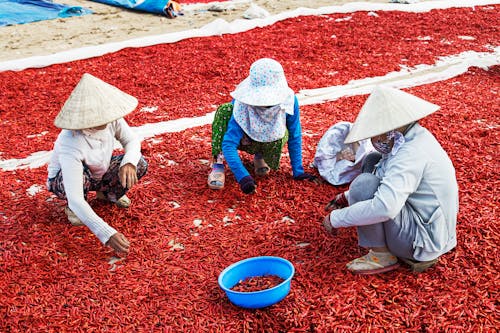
(217,177)
(260,166)
(373,263)
(419,266)
(72,218)
(123,202)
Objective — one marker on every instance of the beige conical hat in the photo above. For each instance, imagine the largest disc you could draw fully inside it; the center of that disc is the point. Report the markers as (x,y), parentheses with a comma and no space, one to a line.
(93,103)
(387,109)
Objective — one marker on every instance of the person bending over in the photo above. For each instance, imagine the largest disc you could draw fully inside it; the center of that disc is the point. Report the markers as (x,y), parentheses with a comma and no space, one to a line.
(82,160)
(405,202)
(262,117)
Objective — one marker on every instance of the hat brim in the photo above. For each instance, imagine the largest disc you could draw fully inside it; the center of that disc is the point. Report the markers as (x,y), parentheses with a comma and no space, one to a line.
(262,95)
(355,136)
(93,103)
(387,109)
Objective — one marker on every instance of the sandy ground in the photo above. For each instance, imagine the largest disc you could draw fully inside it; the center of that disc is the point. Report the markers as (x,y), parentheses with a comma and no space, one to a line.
(112,24)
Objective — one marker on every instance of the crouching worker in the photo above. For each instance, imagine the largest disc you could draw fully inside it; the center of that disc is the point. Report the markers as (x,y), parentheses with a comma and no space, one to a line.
(82,161)
(261,119)
(405,203)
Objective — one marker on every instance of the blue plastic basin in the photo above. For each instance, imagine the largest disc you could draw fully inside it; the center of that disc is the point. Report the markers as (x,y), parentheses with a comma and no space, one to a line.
(257,266)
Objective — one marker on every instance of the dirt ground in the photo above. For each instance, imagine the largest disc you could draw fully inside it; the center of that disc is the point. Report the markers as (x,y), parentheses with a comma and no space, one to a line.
(112,24)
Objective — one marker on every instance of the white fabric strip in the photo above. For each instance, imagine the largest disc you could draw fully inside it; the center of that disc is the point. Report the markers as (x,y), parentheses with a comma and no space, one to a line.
(445,68)
(220,26)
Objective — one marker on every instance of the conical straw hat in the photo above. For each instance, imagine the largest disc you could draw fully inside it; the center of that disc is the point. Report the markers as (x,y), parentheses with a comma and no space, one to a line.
(387,109)
(93,103)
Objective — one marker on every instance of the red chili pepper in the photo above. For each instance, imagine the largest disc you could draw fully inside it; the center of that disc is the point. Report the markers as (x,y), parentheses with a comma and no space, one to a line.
(156,289)
(256,283)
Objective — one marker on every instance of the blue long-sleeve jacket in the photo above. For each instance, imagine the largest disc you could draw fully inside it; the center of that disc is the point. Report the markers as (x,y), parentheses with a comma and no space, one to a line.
(234,134)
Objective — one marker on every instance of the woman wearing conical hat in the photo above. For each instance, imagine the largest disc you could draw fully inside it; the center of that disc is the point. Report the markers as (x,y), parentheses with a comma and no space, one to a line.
(261,119)
(82,160)
(405,203)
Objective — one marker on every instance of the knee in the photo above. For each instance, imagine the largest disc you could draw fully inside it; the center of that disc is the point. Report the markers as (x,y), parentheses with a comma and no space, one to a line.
(142,167)
(363,187)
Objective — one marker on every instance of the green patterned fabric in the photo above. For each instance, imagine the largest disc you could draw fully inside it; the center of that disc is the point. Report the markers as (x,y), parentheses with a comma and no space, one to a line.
(271,151)
(219,127)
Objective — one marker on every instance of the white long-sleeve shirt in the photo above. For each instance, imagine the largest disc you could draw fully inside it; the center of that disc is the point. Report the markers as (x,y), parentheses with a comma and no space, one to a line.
(73,148)
(420,174)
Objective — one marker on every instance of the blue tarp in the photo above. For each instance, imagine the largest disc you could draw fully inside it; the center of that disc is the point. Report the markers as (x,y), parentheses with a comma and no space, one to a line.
(150,6)
(25,11)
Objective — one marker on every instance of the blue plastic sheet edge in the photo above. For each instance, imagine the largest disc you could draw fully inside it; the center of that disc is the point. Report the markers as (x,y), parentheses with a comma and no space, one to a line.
(150,6)
(14,12)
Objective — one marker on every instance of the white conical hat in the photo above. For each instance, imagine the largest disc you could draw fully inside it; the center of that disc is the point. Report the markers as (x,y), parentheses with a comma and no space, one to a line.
(385,110)
(93,103)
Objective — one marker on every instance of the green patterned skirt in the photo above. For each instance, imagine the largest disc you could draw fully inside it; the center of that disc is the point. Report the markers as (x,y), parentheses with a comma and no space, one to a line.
(270,151)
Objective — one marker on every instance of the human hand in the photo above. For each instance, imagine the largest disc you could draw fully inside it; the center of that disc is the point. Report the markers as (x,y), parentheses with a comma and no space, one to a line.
(118,242)
(340,201)
(346,154)
(247,185)
(328,225)
(309,177)
(128,176)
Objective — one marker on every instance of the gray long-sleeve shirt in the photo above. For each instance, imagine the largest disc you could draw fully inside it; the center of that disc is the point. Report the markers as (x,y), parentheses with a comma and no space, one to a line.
(421,175)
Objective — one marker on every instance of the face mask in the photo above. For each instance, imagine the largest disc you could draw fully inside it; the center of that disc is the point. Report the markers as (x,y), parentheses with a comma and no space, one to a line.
(393,141)
(92,131)
(398,139)
(382,147)
(267,113)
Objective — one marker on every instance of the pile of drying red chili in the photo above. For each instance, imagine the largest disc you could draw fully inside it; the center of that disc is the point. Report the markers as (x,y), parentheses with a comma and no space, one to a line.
(57,278)
(257,283)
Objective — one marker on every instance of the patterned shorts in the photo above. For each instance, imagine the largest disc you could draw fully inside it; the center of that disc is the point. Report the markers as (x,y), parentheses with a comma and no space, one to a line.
(109,184)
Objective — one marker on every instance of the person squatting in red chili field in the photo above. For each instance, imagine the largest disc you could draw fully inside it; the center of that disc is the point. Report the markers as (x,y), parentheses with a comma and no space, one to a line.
(82,160)
(262,117)
(405,202)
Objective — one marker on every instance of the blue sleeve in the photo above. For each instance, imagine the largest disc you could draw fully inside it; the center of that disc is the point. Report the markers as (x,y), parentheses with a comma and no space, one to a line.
(230,144)
(295,140)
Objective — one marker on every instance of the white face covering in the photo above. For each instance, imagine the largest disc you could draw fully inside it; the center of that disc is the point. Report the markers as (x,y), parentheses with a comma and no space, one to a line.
(90,131)
(96,134)
(263,124)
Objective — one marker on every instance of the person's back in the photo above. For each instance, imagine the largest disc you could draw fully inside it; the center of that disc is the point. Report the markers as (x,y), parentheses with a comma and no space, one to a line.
(407,207)
(437,178)
(429,179)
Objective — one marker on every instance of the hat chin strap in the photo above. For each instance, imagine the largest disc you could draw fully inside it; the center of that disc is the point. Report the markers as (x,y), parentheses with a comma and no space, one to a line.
(408,127)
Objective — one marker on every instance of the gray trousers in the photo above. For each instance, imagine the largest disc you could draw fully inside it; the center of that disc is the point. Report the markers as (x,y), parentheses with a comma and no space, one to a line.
(396,234)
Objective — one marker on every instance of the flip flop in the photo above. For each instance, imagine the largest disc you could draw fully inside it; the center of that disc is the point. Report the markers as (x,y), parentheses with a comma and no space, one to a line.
(370,264)
(260,167)
(217,177)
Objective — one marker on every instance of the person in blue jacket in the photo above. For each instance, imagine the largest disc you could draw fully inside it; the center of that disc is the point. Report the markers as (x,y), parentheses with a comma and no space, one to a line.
(263,115)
